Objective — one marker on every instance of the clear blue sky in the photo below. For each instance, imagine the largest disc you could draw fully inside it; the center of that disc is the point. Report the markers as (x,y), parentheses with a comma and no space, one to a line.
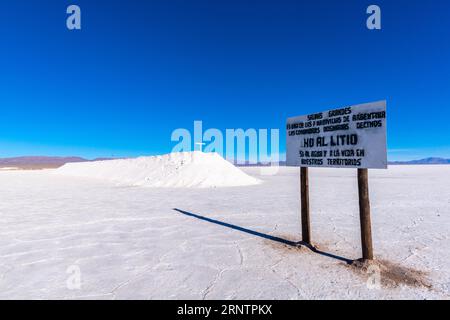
(140,69)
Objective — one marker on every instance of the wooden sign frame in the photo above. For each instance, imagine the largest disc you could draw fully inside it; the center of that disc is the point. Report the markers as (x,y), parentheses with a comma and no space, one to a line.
(364,211)
(368,124)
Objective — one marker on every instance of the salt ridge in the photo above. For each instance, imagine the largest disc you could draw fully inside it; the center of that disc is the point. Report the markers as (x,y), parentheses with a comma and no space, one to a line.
(175,170)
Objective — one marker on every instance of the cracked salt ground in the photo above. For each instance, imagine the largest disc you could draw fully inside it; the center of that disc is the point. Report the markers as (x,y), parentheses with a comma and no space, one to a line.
(231,243)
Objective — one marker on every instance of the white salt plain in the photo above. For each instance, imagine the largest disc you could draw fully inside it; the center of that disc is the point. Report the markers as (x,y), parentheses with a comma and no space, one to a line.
(128,242)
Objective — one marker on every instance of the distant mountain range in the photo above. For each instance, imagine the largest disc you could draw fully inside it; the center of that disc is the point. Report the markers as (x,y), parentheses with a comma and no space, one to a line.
(423,161)
(39,162)
(429,161)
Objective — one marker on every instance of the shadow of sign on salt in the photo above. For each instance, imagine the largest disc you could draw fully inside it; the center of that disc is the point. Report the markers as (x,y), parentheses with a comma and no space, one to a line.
(391,275)
(274,239)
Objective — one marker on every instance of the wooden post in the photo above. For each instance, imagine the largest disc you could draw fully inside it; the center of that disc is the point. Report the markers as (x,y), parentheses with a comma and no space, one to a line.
(304,189)
(364,214)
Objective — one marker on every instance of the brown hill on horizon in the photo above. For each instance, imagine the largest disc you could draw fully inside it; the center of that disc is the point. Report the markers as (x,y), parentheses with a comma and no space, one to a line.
(37,162)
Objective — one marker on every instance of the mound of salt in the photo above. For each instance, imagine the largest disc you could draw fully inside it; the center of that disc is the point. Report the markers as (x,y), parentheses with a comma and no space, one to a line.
(185,169)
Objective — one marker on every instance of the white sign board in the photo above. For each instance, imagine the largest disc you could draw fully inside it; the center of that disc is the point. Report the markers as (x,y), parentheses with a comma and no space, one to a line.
(349,137)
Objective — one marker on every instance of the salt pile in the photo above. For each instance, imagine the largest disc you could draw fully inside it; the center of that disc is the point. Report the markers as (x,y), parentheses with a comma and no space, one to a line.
(185,169)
